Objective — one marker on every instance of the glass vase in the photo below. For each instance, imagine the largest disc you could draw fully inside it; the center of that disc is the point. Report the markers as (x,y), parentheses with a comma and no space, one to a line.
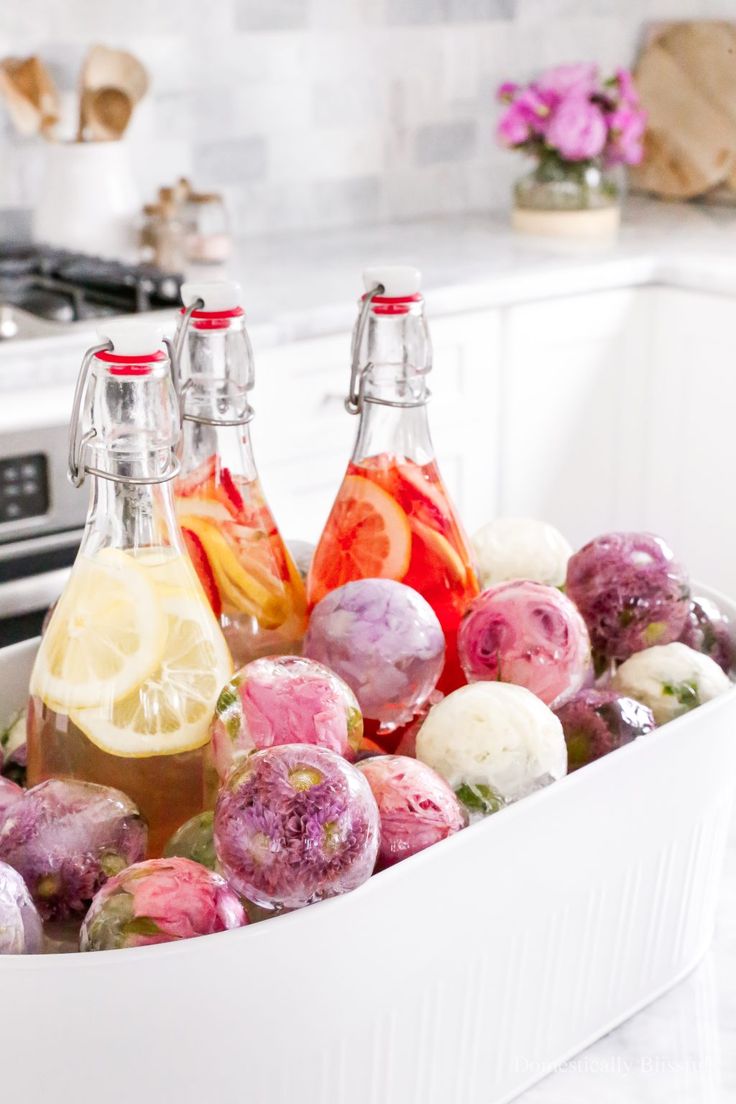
(559,198)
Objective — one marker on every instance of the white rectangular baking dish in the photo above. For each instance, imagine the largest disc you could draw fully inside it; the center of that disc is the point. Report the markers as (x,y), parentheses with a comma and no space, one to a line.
(460,975)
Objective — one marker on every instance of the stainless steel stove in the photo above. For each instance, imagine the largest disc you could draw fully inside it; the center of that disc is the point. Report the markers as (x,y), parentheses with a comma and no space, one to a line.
(50,300)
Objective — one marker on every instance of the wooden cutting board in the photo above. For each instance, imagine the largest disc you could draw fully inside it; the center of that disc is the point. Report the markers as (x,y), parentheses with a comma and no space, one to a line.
(686,77)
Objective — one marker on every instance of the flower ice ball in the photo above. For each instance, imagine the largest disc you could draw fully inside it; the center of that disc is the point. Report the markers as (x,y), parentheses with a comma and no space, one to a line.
(21,930)
(493,743)
(671,679)
(417,808)
(294,824)
(529,634)
(521,548)
(66,838)
(708,630)
(385,641)
(194,840)
(631,591)
(598,721)
(10,793)
(160,901)
(284,700)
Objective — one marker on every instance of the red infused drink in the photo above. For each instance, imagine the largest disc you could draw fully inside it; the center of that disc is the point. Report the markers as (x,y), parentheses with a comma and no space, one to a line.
(393,517)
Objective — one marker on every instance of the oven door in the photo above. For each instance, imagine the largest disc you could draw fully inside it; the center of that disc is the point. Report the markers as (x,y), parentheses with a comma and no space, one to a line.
(33,573)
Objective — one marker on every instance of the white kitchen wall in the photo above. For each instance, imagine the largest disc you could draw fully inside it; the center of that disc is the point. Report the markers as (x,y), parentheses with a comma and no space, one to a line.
(315,113)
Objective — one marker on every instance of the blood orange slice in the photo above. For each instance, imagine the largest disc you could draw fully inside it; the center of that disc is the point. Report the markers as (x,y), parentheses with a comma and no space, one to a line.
(367,537)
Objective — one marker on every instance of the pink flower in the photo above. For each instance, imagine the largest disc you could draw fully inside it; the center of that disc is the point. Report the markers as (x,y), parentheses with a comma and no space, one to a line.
(160,901)
(577,129)
(565,80)
(524,118)
(626,128)
(626,88)
(506,91)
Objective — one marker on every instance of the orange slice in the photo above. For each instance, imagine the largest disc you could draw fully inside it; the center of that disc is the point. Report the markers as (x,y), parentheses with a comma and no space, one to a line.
(367,537)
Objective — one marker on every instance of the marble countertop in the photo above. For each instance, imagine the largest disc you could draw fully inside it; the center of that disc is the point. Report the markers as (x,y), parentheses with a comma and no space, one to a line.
(680,1050)
(307,286)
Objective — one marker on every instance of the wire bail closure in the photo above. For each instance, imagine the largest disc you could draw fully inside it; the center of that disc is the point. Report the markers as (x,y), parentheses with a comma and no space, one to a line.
(79,440)
(354,401)
(177,348)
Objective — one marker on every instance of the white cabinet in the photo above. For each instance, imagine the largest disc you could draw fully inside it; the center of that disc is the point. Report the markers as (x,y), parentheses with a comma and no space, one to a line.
(573,416)
(303,435)
(607,410)
(691,440)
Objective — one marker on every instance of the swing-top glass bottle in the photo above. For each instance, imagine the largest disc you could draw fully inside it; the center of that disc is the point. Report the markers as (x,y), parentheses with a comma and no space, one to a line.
(132,661)
(243,563)
(393,517)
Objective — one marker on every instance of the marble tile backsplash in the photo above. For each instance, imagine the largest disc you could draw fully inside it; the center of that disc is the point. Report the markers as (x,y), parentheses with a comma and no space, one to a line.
(318,113)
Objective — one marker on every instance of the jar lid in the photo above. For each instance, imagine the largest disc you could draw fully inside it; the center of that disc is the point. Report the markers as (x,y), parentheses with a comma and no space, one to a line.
(399,281)
(135,346)
(218,296)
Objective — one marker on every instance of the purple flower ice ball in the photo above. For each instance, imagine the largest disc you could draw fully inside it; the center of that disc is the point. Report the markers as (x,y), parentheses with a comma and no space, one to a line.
(385,641)
(529,634)
(10,793)
(295,823)
(66,838)
(708,630)
(21,930)
(416,806)
(631,591)
(598,721)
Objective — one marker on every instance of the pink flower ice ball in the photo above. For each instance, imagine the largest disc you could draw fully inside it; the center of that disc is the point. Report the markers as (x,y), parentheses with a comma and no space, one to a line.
(417,808)
(385,641)
(21,931)
(160,901)
(284,700)
(67,838)
(529,634)
(294,824)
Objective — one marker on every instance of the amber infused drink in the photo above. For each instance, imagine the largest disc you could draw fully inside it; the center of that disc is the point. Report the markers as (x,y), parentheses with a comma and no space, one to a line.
(133,659)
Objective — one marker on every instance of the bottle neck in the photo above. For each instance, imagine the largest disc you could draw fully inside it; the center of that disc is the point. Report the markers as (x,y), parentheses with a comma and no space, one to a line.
(130,517)
(216,367)
(232,444)
(394,358)
(134,422)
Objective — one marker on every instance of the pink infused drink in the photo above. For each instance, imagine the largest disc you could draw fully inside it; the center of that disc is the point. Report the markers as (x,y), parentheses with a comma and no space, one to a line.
(242,561)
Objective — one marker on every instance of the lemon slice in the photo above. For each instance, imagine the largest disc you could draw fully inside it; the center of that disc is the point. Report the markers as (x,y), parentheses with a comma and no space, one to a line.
(106,636)
(170,712)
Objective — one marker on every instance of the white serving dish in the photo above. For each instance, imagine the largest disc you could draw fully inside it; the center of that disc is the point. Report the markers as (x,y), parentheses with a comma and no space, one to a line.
(461,975)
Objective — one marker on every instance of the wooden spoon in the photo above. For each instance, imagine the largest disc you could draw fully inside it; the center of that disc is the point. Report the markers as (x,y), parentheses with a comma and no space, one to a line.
(32,97)
(107,113)
(106,68)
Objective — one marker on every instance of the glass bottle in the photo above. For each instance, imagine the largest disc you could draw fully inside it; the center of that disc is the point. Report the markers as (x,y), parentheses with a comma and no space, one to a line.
(392,517)
(243,563)
(133,660)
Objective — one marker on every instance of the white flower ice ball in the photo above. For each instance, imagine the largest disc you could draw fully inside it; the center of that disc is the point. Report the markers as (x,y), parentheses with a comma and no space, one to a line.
(671,679)
(493,742)
(521,548)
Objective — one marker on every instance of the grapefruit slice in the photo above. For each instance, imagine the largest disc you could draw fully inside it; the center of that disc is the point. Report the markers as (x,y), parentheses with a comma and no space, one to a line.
(367,537)
(439,548)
